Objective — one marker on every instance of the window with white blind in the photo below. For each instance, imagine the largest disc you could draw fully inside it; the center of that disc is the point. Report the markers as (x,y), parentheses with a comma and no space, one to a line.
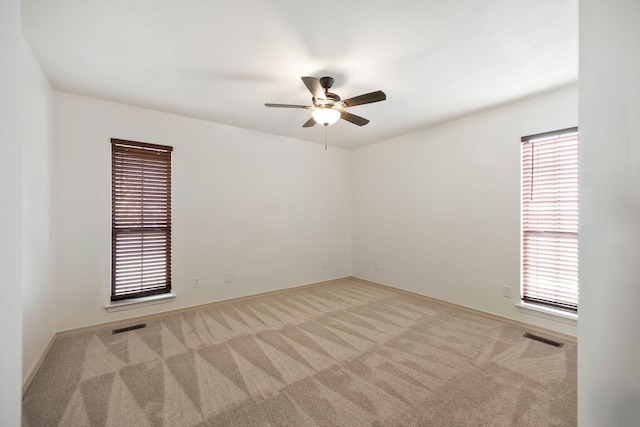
(140,219)
(550,219)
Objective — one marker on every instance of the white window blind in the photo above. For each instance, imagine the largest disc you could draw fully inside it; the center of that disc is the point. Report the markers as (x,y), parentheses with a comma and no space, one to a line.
(141,219)
(550,219)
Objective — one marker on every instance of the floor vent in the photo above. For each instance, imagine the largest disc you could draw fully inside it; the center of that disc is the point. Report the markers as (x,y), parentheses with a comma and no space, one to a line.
(129,328)
(544,340)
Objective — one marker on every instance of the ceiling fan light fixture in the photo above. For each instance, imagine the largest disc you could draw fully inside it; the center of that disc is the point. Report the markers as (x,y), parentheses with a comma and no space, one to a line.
(325,115)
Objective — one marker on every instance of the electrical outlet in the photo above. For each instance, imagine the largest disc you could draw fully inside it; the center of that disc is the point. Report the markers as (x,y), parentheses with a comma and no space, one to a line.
(196,282)
(228,278)
(324,264)
(506,291)
(377,265)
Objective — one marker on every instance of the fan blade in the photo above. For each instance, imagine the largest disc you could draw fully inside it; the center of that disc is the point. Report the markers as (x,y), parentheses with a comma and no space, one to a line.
(314,87)
(308,107)
(367,98)
(309,123)
(356,120)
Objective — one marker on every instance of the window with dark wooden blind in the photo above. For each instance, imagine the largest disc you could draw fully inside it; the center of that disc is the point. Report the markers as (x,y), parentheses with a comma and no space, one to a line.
(140,219)
(550,219)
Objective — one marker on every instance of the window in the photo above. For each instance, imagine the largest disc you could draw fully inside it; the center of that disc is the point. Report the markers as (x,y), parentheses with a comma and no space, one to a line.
(140,219)
(550,219)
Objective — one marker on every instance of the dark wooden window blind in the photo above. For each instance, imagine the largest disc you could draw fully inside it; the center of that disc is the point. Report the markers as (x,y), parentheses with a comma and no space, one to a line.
(550,219)
(140,219)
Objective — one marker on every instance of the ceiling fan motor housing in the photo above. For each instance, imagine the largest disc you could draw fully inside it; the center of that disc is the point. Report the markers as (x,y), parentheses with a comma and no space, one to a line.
(331,99)
(326,82)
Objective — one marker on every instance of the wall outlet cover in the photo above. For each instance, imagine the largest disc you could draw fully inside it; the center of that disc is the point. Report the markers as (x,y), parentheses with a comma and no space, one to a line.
(506,291)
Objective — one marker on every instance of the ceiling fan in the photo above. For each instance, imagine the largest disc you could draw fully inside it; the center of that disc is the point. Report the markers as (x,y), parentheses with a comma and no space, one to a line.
(328,107)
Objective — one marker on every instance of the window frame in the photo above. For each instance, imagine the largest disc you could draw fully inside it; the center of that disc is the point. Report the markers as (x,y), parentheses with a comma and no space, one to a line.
(140,219)
(549,225)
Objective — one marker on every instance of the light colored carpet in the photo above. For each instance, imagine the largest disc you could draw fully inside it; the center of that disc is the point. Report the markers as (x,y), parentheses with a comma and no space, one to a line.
(341,354)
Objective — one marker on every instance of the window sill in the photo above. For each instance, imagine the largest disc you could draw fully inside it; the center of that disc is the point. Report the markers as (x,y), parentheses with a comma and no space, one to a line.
(139,302)
(548,313)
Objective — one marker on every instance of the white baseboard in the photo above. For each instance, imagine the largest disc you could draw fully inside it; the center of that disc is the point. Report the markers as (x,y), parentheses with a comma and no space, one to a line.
(26,382)
(529,326)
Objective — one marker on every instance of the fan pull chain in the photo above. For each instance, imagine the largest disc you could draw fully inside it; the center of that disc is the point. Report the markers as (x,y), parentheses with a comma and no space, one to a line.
(325,137)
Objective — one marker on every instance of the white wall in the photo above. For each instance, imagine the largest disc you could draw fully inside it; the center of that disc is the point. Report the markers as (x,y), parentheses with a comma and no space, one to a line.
(609,337)
(10,211)
(266,208)
(37,208)
(439,209)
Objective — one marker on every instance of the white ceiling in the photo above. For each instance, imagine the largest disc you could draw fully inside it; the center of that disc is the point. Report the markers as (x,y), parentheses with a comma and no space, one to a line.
(222,60)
